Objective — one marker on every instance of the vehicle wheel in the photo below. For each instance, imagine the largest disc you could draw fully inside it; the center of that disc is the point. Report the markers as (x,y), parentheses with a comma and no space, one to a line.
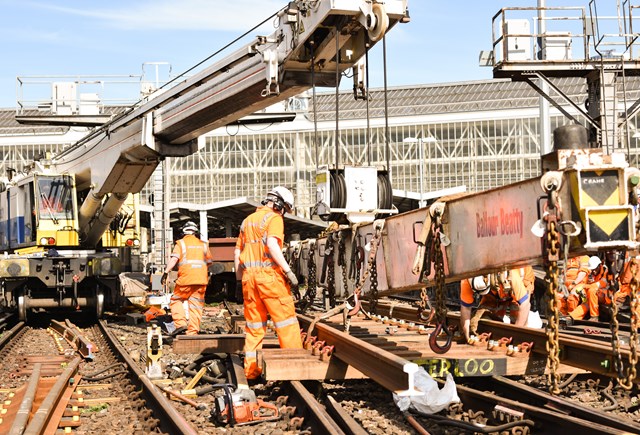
(22,307)
(99,301)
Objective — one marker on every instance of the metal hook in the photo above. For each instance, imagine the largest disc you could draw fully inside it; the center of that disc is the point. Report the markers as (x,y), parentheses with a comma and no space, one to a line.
(433,338)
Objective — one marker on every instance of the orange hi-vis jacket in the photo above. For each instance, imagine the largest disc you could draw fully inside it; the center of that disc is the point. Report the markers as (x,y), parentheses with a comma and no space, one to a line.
(193,261)
(264,288)
(253,238)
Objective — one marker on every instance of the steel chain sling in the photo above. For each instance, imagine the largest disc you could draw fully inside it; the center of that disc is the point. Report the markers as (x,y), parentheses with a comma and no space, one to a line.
(552,248)
(294,265)
(441,307)
(626,377)
(310,295)
(373,287)
(342,262)
(371,264)
(331,281)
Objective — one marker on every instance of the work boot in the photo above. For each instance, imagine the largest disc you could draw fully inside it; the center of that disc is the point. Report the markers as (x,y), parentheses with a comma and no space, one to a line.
(179,331)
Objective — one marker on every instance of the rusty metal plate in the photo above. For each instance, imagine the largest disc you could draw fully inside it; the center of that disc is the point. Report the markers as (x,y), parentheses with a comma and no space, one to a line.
(493,228)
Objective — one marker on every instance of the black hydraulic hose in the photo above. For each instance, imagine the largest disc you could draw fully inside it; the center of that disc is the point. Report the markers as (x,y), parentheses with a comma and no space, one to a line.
(191,368)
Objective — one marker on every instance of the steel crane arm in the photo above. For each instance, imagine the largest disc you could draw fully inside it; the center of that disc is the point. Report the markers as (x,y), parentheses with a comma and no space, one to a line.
(121,156)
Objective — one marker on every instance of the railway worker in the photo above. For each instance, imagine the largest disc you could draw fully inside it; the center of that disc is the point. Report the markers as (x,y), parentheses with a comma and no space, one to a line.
(193,259)
(596,291)
(576,275)
(528,278)
(507,297)
(266,278)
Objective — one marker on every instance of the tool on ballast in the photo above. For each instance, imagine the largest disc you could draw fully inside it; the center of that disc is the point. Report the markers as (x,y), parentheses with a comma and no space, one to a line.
(242,407)
(154,352)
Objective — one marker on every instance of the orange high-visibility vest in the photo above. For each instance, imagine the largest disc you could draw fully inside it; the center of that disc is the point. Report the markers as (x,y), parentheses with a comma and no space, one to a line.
(193,260)
(253,238)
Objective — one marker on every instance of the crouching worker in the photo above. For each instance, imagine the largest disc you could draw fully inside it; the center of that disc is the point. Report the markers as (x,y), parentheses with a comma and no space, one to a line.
(596,292)
(508,296)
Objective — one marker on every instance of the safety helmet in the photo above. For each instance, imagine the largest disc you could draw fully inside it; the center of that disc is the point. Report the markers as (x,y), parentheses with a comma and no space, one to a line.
(594,262)
(480,285)
(281,197)
(190,228)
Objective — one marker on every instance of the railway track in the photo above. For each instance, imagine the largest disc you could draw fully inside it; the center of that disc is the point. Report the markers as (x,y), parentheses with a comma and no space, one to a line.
(342,382)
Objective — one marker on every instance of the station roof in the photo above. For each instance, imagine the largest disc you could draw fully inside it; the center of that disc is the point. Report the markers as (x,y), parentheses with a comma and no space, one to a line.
(455,97)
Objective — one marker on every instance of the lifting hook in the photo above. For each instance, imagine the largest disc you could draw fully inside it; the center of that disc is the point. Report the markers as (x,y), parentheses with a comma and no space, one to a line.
(433,338)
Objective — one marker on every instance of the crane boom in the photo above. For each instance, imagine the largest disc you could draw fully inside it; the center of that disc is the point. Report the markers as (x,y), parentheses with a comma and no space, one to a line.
(313,43)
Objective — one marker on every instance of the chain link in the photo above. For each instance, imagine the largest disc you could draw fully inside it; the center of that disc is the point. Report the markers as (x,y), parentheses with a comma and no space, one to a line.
(331,280)
(371,261)
(552,248)
(373,286)
(342,262)
(626,377)
(310,295)
(441,307)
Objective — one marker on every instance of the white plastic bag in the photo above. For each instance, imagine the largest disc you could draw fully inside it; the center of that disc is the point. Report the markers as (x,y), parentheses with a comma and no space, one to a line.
(534,320)
(433,399)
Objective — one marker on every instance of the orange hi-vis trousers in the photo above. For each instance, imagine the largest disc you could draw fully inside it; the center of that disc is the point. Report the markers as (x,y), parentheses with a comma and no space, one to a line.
(194,295)
(265,291)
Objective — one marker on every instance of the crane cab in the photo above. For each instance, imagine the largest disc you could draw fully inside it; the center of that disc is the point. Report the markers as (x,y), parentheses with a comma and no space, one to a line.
(38,212)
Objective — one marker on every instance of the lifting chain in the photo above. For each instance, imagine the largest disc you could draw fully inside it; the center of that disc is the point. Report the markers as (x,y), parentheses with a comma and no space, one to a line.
(342,262)
(626,377)
(373,287)
(425,311)
(441,307)
(331,280)
(551,254)
(371,264)
(625,380)
(294,264)
(310,294)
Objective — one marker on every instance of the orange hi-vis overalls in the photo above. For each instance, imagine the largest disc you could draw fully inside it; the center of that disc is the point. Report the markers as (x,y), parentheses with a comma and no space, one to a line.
(193,276)
(500,301)
(573,268)
(596,290)
(264,288)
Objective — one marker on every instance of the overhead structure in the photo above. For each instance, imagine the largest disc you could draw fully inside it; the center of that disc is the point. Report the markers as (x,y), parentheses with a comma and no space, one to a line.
(313,44)
(596,43)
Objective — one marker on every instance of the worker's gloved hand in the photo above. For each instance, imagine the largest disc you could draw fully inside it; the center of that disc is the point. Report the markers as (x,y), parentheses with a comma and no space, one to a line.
(163,280)
(293,279)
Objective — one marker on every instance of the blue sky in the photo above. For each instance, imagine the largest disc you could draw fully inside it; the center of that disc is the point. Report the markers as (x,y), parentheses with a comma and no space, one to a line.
(74,37)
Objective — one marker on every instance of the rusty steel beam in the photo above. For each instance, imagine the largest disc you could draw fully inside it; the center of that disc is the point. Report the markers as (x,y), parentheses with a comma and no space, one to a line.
(391,371)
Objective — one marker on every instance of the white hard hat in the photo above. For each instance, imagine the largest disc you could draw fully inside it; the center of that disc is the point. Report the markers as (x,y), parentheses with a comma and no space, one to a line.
(190,228)
(284,195)
(594,262)
(479,285)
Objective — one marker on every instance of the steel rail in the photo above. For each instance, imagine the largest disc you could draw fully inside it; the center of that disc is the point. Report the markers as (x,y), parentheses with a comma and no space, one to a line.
(546,421)
(315,414)
(533,396)
(391,371)
(580,352)
(22,416)
(49,404)
(170,417)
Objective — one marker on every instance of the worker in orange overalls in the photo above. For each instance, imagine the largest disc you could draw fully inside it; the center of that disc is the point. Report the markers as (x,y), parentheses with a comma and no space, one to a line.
(509,297)
(266,278)
(596,291)
(576,275)
(193,259)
